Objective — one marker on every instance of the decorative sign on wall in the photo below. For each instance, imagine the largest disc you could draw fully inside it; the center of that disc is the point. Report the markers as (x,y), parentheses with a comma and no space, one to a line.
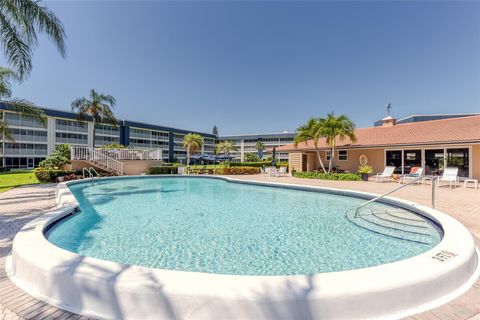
(363,159)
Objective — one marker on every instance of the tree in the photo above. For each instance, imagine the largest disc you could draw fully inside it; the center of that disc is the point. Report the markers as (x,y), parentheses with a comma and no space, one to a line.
(334,128)
(251,157)
(215,131)
(18,106)
(192,142)
(20,21)
(312,130)
(98,107)
(225,147)
(59,158)
(260,147)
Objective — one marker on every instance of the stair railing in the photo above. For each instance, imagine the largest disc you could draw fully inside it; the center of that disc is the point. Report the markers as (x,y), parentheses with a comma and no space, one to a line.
(106,161)
(357,210)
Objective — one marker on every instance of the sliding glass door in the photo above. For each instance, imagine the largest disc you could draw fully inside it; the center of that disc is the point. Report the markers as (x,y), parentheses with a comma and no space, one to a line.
(459,158)
(434,161)
(411,158)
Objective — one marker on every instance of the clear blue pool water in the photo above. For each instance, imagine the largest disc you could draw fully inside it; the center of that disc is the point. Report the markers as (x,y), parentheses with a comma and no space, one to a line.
(215,226)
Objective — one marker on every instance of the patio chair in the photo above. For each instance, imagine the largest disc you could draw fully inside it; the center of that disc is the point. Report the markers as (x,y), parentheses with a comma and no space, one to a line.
(281,172)
(415,173)
(272,172)
(450,177)
(386,175)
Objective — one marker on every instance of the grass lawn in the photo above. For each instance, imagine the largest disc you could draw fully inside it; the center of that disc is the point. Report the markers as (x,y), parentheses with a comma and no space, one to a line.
(14,179)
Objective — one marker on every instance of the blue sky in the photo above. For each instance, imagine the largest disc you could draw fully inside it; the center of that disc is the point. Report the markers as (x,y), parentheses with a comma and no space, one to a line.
(253,67)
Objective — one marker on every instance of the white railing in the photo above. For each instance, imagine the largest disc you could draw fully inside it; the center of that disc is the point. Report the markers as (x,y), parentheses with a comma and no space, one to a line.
(81,153)
(98,157)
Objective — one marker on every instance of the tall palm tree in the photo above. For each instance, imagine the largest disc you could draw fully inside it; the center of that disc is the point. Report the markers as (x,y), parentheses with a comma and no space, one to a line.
(225,147)
(18,106)
(20,21)
(334,128)
(260,147)
(192,142)
(312,130)
(99,107)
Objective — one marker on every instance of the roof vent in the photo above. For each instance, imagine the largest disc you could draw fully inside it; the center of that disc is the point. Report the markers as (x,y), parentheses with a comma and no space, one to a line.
(388,121)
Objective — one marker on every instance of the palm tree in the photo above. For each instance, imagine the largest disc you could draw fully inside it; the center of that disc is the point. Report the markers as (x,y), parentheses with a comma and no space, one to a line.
(98,107)
(192,142)
(20,21)
(225,147)
(260,147)
(18,106)
(312,130)
(334,128)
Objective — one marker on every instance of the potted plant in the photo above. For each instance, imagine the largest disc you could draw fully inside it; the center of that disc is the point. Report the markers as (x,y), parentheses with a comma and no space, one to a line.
(365,171)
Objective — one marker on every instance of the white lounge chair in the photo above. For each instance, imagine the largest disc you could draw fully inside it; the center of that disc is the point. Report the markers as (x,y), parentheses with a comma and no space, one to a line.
(415,173)
(281,172)
(386,175)
(450,177)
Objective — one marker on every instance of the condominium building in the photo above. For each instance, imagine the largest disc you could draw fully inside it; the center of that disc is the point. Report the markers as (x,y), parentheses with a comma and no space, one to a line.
(248,144)
(34,141)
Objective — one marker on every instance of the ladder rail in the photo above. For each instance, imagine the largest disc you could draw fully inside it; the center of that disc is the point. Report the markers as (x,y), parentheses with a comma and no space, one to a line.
(357,210)
(85,169)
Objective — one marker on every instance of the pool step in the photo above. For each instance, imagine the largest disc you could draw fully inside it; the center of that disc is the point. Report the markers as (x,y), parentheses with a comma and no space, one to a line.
(391,224)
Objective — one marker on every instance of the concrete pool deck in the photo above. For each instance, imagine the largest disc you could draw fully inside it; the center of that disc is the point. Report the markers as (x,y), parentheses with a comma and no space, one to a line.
(17,208)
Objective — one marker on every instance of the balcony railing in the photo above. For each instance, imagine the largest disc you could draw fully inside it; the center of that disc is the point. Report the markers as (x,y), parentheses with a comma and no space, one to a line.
(81,153)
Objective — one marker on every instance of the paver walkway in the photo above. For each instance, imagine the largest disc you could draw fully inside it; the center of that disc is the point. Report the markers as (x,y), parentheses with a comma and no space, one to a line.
(17,207)
(20,205)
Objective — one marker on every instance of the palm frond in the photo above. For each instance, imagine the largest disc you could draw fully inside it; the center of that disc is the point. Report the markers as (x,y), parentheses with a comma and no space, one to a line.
(27,108)
(17,51)
(20,20)
(6,131)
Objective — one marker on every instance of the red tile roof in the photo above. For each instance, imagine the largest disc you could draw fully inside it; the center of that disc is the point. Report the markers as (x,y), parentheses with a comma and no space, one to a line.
(456,130)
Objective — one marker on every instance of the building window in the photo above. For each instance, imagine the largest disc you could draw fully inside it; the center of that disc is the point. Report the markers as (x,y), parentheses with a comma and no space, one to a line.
(327,155)
(342,155)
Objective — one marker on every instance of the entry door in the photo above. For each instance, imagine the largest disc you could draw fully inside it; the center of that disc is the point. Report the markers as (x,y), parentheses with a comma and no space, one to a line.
(304,162)
(30,163)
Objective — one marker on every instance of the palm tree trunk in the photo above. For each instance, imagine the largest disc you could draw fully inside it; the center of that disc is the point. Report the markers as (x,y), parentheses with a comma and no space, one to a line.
(320,160)
(94,133)
(188,160)
(332,155)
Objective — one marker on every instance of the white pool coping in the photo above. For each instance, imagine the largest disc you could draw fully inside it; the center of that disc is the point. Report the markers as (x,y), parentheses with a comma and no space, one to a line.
(105,289)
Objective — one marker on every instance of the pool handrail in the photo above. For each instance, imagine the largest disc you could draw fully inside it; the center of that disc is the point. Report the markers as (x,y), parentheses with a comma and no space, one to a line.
(357,210)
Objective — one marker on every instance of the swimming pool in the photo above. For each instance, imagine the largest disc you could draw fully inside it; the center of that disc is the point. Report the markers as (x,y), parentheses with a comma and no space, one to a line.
(221,248)
(211,225)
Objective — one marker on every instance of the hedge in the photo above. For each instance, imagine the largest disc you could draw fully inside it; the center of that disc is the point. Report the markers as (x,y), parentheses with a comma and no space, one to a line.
(237,170)
(44,175)
(163,170)
(257,164)
(329,176)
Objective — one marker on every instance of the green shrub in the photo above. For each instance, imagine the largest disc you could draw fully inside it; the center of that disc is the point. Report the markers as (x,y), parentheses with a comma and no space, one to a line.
(59,158)
(46,175)
(328,176)
(251,157)
(237,170)
(163,170)
(365,169)
(257,164)
(114,146)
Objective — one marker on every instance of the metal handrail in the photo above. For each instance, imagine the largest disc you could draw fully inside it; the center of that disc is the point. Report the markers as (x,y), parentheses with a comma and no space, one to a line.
(91,173)
(83,172)
(392,191)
